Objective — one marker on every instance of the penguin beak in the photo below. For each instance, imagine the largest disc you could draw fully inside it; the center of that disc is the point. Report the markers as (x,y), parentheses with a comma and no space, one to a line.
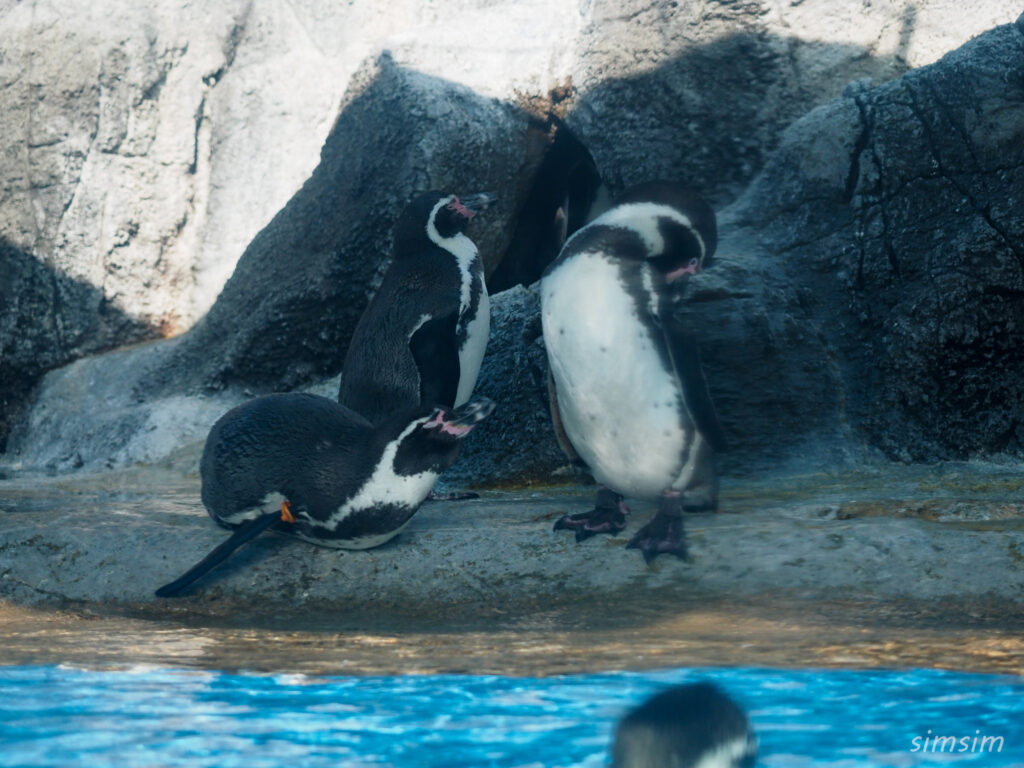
(460,421)
(470,205)
(690,269)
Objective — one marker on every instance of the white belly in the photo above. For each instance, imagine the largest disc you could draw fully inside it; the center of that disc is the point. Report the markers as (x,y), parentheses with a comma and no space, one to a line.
(618,403)
(471,354)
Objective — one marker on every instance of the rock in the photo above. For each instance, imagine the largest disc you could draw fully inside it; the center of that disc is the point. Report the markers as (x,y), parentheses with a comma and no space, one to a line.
(702,91)
(47,319)
(891,219)
(796,367)
(109,540)
(515,446)
(284,319)
(110,425)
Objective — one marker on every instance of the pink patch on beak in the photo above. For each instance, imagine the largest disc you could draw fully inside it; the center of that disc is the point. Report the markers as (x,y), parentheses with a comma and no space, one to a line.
(690,269)
(449,429)
(457,206)
(454,429)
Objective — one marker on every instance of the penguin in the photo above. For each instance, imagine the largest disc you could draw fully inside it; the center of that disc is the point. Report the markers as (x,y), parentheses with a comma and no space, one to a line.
(628,394)
(685,727)
(422,337)
(306,466)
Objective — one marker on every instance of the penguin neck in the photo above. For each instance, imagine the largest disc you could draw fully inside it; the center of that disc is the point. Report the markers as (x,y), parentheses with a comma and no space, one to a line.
(386,485)
(466,260)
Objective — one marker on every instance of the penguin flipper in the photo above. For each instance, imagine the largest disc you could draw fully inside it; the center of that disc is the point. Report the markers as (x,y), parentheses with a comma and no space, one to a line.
(245,532)
(435,349)
(685,353)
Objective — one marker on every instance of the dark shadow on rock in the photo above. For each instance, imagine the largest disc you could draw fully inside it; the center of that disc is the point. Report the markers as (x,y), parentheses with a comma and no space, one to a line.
(516,445)
(557,204)
(48,319)
(710,117)
(713,116)
(286,315)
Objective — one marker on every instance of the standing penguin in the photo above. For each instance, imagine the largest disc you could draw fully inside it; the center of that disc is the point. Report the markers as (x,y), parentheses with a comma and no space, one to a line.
(628,392)
(422,338)
(309,467)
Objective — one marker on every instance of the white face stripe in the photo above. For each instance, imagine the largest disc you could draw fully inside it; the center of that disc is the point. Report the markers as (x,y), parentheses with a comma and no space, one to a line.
(385,485)
(432,233)
(642,218)
(460,246)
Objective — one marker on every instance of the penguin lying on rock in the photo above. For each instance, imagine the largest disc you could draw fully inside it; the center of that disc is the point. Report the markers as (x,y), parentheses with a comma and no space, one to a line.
(422,337)
(688,726)
(629,396)
(306,466)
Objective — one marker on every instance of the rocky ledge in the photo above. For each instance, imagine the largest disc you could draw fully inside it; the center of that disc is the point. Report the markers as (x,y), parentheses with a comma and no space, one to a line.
(893,533)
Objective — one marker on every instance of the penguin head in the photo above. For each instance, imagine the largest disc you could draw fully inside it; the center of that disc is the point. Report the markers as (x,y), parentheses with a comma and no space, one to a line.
(686,726)
(431,441)
(677,226)
(433,217)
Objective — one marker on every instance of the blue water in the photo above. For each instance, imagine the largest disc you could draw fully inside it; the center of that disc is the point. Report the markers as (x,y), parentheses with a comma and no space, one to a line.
(58,716)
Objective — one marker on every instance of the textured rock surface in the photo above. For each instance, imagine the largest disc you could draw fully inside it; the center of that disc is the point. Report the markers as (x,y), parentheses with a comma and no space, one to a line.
(515,444)
(284,318)
(703,90)
(656,89)
(894,216)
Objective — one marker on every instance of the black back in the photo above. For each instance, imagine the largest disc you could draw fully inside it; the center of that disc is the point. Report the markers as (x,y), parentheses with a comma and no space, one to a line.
(307,448)
(404,350)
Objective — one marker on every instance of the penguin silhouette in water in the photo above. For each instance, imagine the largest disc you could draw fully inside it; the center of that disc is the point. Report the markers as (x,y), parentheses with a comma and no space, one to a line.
(422,337)
(688,726)
(628,395)
(306,466)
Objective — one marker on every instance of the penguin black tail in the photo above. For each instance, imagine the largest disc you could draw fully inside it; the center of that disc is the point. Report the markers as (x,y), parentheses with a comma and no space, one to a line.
(245,532)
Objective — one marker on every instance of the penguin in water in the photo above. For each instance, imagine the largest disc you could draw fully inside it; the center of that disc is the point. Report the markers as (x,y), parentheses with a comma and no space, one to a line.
(422,337)
(628,395)
(685,727)
(306,466)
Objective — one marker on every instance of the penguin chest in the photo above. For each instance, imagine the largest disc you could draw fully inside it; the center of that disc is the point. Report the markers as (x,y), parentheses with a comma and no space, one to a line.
(619,398)
(474,331)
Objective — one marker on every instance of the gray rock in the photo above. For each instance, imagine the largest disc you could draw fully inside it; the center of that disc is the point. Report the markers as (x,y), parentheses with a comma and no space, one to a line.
(87,416)
(515,446)
(702,91)
(113,539)
(815,346)
(890,219)
(46,320)
(284,319)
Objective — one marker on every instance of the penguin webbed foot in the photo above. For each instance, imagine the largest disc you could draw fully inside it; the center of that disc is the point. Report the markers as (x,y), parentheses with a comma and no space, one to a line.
(663,533)
(607,516)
